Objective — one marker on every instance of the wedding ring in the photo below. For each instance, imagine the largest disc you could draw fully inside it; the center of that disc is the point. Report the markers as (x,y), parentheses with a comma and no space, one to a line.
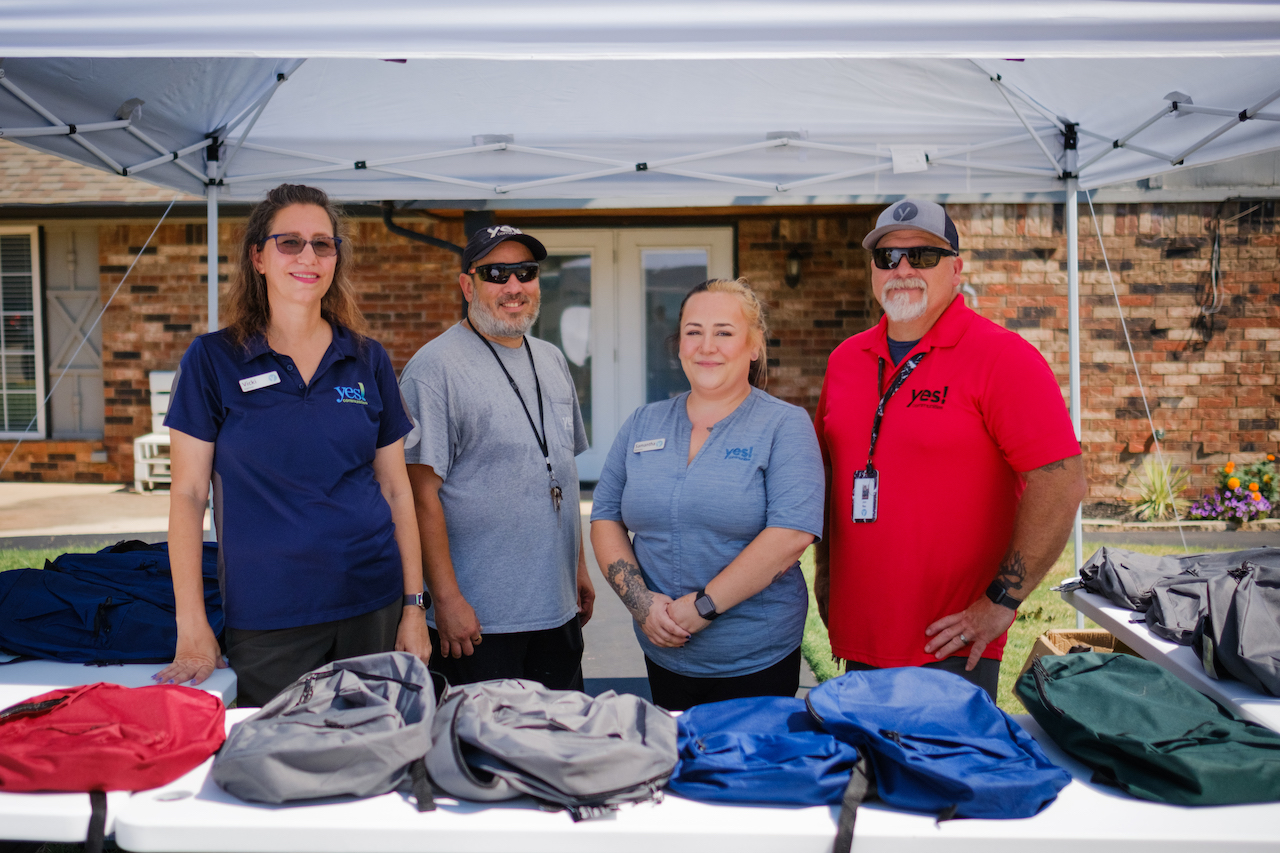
(964,641)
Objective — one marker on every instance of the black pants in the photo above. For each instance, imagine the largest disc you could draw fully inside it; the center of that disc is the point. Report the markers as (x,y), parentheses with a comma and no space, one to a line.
(677,692)
(266,662)
(552,657)
(986,674)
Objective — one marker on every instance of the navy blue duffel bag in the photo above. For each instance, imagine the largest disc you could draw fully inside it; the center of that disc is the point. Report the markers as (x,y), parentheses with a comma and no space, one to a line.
(115,606)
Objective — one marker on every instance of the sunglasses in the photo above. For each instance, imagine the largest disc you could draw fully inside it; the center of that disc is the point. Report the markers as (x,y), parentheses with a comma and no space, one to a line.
(291,244)
(525,271)
(921,257)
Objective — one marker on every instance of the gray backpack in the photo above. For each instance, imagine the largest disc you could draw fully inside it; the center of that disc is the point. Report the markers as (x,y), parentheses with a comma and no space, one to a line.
(356,727)
(1240,634)
(498,740)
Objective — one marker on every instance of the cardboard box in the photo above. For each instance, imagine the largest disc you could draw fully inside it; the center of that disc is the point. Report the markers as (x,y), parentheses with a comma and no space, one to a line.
(1061,643)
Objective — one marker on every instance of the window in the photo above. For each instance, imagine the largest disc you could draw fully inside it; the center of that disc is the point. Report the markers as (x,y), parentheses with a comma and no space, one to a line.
(21,345)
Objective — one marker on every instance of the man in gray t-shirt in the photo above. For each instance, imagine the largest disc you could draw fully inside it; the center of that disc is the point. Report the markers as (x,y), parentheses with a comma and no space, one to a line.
(495,483)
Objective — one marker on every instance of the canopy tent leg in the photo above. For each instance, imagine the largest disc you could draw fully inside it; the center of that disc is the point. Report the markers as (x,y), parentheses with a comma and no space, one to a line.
(1072,218)
(211,192)
(212,216)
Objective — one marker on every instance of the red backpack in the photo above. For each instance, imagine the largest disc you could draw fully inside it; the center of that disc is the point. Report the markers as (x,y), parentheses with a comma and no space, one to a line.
(104,737)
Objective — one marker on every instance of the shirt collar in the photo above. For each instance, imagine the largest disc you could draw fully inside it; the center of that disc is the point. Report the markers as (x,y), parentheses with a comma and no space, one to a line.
(344,345)
(946,332)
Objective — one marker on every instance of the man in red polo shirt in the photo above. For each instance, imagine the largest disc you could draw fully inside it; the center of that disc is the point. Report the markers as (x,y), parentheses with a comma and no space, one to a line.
(953,471)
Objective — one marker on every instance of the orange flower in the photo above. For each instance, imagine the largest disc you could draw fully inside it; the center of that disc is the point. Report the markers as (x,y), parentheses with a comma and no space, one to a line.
(1257,496)
(1271,457)
(1253,487)
(1229,467)
(1233,483)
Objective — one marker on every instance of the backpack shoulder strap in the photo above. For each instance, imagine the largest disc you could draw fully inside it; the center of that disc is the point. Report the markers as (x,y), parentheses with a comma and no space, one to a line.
(861,787)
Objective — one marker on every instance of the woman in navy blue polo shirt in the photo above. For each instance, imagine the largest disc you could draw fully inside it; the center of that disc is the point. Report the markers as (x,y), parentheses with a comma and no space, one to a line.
(722,488)
(297,418)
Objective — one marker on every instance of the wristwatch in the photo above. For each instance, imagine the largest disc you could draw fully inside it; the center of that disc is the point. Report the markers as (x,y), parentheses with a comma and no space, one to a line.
(999,595)
(415,599)
(706,607)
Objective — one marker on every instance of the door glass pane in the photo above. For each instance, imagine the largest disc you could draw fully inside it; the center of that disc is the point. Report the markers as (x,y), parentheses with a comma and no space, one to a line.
(565,319)
(668,275)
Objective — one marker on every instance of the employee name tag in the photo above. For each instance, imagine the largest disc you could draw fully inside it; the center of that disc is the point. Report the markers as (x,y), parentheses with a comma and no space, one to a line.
(651,444)
(866,492)
(262,380)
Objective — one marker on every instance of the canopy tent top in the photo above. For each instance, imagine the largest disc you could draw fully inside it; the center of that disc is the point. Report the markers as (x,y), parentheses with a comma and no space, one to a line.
(629,29)
(747,130)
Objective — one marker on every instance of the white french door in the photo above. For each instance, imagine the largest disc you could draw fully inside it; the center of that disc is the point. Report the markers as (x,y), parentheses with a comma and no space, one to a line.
(610,301)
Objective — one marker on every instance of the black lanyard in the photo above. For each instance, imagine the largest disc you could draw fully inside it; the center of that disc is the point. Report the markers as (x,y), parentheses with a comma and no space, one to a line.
(904,372)
(556,493)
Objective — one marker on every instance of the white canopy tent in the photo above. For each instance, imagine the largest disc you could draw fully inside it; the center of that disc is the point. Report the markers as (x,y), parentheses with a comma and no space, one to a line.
(623,102)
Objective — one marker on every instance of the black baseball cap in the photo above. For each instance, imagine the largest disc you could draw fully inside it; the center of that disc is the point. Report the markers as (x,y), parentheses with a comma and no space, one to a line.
(486,239)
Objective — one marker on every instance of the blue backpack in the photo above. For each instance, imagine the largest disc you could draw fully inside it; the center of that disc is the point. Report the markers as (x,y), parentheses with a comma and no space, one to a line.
(115,606)
(937,744)
(766,749)
(920,739)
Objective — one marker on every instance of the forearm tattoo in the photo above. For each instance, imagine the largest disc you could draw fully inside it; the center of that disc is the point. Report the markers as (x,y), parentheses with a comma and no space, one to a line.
(1013,571)
(626,580)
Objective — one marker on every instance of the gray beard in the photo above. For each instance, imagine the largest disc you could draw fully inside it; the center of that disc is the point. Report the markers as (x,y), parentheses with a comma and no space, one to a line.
(495,327)
(900,309)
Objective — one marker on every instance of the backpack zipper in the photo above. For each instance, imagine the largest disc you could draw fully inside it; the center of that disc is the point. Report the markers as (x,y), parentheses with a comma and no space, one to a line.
(1041,675)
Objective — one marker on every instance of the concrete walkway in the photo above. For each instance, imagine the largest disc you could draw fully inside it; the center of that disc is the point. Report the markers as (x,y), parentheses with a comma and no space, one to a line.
(72,516)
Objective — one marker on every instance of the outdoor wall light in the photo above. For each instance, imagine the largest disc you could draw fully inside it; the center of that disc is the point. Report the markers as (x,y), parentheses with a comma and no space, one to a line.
(792,277)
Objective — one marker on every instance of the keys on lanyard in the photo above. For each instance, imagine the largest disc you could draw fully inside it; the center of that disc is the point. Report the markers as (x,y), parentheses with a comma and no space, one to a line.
(866,483)
(557,493)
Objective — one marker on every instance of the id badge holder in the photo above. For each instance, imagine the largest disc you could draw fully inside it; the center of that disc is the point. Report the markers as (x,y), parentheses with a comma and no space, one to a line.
(866,494)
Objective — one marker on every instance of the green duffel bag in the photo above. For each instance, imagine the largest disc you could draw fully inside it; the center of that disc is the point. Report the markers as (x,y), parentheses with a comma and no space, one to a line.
(1143,730)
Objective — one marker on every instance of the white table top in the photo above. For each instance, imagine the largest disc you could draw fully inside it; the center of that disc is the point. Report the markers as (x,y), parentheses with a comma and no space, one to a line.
(65,817)
(193,814)
(20,681)
(1180,660)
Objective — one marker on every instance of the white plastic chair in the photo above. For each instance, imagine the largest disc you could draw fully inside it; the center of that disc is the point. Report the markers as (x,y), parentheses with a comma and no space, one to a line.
(151,451)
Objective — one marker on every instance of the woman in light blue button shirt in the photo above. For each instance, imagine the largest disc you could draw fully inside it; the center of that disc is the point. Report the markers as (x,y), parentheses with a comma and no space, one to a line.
(722,489)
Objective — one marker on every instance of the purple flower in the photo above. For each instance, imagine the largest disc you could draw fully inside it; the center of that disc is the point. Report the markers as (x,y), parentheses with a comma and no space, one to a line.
(1236,504)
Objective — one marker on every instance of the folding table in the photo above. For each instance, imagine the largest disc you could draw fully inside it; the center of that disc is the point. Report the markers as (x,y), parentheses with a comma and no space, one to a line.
(193,815)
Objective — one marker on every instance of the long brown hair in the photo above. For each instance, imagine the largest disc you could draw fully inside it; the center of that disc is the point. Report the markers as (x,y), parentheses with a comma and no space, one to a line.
(752,310)
(248,311)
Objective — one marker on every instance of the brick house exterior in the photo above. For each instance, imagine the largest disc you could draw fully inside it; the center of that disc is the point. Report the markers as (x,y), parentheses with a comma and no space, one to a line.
(1210,379)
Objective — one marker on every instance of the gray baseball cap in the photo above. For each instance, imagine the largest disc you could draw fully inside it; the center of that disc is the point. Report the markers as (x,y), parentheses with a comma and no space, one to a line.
(917,215)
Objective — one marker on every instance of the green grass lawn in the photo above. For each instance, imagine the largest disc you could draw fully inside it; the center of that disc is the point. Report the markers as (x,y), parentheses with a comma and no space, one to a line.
(33,558)
(1042,611)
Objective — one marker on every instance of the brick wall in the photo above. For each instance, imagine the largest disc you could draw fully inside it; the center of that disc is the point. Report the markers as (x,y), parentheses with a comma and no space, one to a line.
(1210,381)
(831,302)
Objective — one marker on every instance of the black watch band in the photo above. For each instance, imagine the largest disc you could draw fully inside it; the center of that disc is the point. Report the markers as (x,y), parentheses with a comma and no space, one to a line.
(999,595)
(415,599)
(705,606)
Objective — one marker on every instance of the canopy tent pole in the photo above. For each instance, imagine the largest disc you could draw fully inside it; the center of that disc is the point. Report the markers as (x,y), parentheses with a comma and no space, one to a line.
(1073,335)
(211,194)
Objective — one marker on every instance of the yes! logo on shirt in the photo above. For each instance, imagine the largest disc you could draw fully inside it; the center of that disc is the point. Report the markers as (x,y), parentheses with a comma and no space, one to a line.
(351,395)
(929,399)
(743,453)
